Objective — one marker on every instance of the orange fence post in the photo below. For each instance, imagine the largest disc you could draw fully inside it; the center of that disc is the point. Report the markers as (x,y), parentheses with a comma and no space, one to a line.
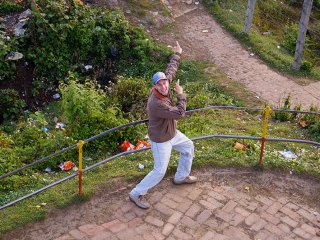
(80,145)
(264,132)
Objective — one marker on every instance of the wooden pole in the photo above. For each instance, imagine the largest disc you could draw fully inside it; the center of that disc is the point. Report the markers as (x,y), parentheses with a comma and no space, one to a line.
(249,15)
(303,27)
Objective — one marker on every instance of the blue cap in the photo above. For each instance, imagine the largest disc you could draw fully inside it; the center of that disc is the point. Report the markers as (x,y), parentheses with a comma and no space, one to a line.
(157,77)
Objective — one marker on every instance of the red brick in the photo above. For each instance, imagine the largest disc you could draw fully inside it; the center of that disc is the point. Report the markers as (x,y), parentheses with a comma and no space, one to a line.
(154,221)
(129,233)
(155,197)
(309,229)
(306,215)
(231,232)
(224,216)
(238,218)
(190,223)
(274,208)
(258,225)
(284,227)
(148,236)
(301,233)
(264,200)
(101,236)
(127,207)
(290,213)
(169,202)
(242,211)
(175,217)
(217,196)
(193,210)
(135,222)
(181,235)
(289,221)
(270,218)
(251,219)
(292,206)
(203,216)
(164,209)
(175,197)
(167,229)
(65,237)
(91,229)
(208,236)
(229,206)
(213,203)
(274,229)
(184,206)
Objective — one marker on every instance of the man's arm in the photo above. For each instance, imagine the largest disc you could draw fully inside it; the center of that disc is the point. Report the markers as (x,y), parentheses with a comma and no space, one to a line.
(174,63)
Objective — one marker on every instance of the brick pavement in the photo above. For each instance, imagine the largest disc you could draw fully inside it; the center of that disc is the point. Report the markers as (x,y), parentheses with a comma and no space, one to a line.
(206,210)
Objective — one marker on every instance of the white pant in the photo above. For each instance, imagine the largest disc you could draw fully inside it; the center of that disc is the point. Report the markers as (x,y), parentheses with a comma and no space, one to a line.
(161,154)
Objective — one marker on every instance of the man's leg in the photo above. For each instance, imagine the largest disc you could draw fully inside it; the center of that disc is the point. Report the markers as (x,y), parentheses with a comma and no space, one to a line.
(185,146)
(161,155)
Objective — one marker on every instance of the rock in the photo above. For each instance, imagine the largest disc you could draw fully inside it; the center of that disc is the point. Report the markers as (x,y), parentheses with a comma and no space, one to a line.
(26,14)
(18,28)
(13,56)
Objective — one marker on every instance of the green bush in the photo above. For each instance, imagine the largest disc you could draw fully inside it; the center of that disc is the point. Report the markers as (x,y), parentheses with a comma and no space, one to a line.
(314,131)
(10,104)
(8,6)
(306,66)
(35,138)
(87,113)
(131,94)
(64,36)
(284,116)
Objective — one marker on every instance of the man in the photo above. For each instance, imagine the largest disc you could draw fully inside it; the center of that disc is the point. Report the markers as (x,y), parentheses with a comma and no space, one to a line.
(164,136)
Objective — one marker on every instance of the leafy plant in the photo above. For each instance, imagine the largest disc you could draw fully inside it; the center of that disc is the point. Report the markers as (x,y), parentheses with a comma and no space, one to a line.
(8,6)
(131,94)
(10,104)
(87,113)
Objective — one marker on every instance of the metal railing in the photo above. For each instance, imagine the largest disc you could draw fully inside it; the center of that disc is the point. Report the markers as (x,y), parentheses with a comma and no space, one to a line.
(263,139)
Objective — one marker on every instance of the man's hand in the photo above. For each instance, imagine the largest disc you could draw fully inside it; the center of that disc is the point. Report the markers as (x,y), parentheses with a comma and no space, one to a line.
(178,89)
(177,48)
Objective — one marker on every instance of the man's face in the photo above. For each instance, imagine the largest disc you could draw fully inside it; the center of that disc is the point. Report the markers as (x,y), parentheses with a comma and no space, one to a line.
(163,86)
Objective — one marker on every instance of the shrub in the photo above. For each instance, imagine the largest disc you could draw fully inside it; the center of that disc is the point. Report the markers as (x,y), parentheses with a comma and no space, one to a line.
(87,113)
(284,116)
(84,35)
(35,139)
(10,104)
(131,94)
(314,131)
(8,6)
(306,66)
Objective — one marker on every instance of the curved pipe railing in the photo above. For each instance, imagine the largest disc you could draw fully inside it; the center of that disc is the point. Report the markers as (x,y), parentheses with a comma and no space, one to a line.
(139,150)
(143,121)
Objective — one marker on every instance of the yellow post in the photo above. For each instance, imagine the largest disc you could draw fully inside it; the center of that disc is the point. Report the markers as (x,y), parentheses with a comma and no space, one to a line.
(264,132)
(80,145)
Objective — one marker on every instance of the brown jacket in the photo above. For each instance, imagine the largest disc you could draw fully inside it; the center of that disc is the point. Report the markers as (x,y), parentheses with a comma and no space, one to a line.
(162,112)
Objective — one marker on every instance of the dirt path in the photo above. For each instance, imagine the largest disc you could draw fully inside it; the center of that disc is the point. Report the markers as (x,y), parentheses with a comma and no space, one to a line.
(219,47)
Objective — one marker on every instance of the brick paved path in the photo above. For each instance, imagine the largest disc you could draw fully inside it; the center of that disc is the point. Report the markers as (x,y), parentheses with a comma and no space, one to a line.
(206,210)
(223,204)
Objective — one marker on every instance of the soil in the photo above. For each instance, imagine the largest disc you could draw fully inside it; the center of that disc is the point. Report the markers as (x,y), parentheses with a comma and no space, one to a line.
(226,54)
